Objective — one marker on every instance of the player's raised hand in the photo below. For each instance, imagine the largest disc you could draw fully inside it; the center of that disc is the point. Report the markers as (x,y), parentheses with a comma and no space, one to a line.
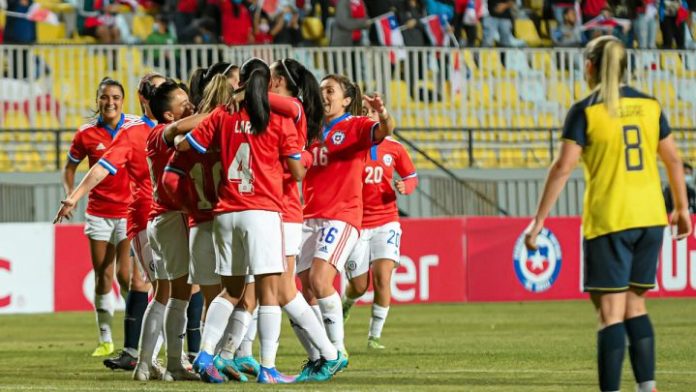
(375,102)
(531,233)
(400,186)
(682,220)
(65,211)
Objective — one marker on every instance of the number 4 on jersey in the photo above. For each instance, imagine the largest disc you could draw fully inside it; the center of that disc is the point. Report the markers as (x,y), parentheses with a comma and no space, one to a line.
(240,169)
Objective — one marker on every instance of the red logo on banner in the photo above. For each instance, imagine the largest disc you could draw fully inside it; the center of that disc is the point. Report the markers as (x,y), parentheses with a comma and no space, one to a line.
(6,300)
(73,263)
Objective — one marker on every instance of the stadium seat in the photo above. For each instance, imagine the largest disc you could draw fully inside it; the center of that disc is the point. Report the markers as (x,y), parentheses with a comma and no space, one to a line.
(27,159)
(46,120)
(541,61)
(47,33)
(15,120)
(142,26)
(490,60)
(527,32)
(672,62)
(44,137)
(559,92)
(5,162)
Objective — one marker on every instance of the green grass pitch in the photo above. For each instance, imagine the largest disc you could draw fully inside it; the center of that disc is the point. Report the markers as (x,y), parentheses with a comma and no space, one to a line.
(547,346)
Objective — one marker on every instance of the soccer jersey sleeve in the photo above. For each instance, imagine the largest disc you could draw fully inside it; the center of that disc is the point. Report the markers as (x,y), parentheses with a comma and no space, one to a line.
(285,106)
(575,126)
(77,151)
(201,138)
(118,153)
(358,136)
(664,126)
(404,165)
(289,145)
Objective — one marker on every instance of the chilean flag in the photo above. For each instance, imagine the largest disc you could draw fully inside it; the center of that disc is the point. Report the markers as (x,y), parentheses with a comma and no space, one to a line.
(436,29)
(605,23)
(389,34)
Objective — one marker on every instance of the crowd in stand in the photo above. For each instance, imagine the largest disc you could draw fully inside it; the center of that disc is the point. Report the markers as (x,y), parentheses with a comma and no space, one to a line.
(351,22)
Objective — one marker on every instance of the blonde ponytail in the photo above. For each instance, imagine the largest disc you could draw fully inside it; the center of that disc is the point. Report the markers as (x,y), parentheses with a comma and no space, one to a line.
(217,92)
(611,72)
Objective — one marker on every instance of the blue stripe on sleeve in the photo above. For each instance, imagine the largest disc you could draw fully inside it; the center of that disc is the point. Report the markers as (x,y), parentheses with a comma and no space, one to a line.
(108,166)
(73,159)
(196,146)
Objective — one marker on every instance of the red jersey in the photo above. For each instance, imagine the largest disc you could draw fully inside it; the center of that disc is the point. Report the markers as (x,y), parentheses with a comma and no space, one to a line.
(379,196)
(158,154)
(196,183)
(111,197)
(291,107)
(333,185)
(128,151)
(254,179)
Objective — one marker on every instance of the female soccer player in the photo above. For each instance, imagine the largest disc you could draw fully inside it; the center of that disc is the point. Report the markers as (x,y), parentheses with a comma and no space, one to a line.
(128,151)
(107,207)
(380,237)
(168,228)
(248,226)
(333,199)
(201,77)
(618,132)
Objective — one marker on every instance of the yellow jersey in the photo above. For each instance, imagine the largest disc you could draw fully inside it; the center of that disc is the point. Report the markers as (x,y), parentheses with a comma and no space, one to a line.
(620,161)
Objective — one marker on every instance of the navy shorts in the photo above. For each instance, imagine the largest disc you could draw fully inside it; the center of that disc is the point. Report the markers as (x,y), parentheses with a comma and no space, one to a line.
(628,258)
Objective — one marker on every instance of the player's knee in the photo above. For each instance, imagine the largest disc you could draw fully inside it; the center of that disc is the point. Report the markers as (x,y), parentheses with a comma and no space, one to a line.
(359,286)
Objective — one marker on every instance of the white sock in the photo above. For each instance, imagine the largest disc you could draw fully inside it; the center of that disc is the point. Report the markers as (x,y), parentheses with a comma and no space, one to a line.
(309,330)
(175,328)
(379,317)
(646,386)
(161,341)
(246,348)
(332,313)
(269,334)
(317,312)
(104,308)
(153,319)
(234,334)
(216,319)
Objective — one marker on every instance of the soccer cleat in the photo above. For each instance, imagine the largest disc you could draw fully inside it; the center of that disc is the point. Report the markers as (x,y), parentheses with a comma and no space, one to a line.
(229,368)
(374,344)
(273,376)
(186,362)
(202,360)
(103,349)
(145,372)
(180,374)
(326,369)
(211,375)
(248,365)
(123,361)
(308,368)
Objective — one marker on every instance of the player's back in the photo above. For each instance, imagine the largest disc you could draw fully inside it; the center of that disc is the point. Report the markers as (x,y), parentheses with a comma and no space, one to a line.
(202,174)
(620,162)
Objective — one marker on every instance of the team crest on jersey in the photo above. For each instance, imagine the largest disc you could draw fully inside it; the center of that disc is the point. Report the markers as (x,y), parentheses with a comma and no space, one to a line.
(538,270)
(338,138)
(351,265)
(387,159)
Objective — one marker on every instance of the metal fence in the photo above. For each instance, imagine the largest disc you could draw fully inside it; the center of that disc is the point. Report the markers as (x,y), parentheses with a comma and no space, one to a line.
(54,86)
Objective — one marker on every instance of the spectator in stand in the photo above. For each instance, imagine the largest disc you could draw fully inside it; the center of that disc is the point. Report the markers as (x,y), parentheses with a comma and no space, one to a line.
(645,25)
(568,33)
(374,9)
(287,27)
(350,19)
(409,15)
(625,10)
(558,7)
(672,28)
(161,36)
(467,17)
(97,18)
(262,29)
(184,17)
(19,30)
(498,24)
(236,26)
(440,7)
(591,9)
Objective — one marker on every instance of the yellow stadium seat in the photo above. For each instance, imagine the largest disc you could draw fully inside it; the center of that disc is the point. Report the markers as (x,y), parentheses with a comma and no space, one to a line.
(559,92)
(142,26)
(459,158)
(495,121)
(507,96)
(484,157)
(46,120)
(471,121)
(672,61)
(541,61)
(546,120)
(44,137)
(49,160)
(527,32)
(15,120)
(664,91)
(27,159)
(686,121)
(49,33)
(439,121)
(5,162)
(580,90)
(490,60)
(471,64)
(312,28)
(2,17)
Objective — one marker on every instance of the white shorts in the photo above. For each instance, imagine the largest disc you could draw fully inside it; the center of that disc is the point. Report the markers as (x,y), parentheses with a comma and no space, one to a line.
(329,240)
(105,229)
(249,243)
(293,238)
(377,243)
(150,268)
(168,235)
(202,266)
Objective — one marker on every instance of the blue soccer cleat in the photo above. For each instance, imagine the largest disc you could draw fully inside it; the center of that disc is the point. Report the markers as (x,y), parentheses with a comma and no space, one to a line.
(308,368)
(248,365)
(229,369)
(203,365)
(273,376)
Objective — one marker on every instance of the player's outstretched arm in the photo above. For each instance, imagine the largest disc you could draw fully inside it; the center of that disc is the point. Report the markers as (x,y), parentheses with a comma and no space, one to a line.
(94,176)
(182,126)
(667,149)
(558,175)
(386,122)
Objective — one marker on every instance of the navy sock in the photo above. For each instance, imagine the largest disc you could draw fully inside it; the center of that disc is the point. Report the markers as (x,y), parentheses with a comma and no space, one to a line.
(611,345)
(641,349)
(194,312)
(136,303)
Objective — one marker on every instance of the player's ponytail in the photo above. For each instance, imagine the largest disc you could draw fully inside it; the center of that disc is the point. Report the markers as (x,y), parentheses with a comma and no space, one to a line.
(196,86)
(608,57)
(254,79)
(217,92)
(303,85)
(350,90)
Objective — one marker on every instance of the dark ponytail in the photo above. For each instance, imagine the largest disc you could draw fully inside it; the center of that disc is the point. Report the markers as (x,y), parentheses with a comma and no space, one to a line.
(303,85)
(196,86)
(254,78)
(350,90)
